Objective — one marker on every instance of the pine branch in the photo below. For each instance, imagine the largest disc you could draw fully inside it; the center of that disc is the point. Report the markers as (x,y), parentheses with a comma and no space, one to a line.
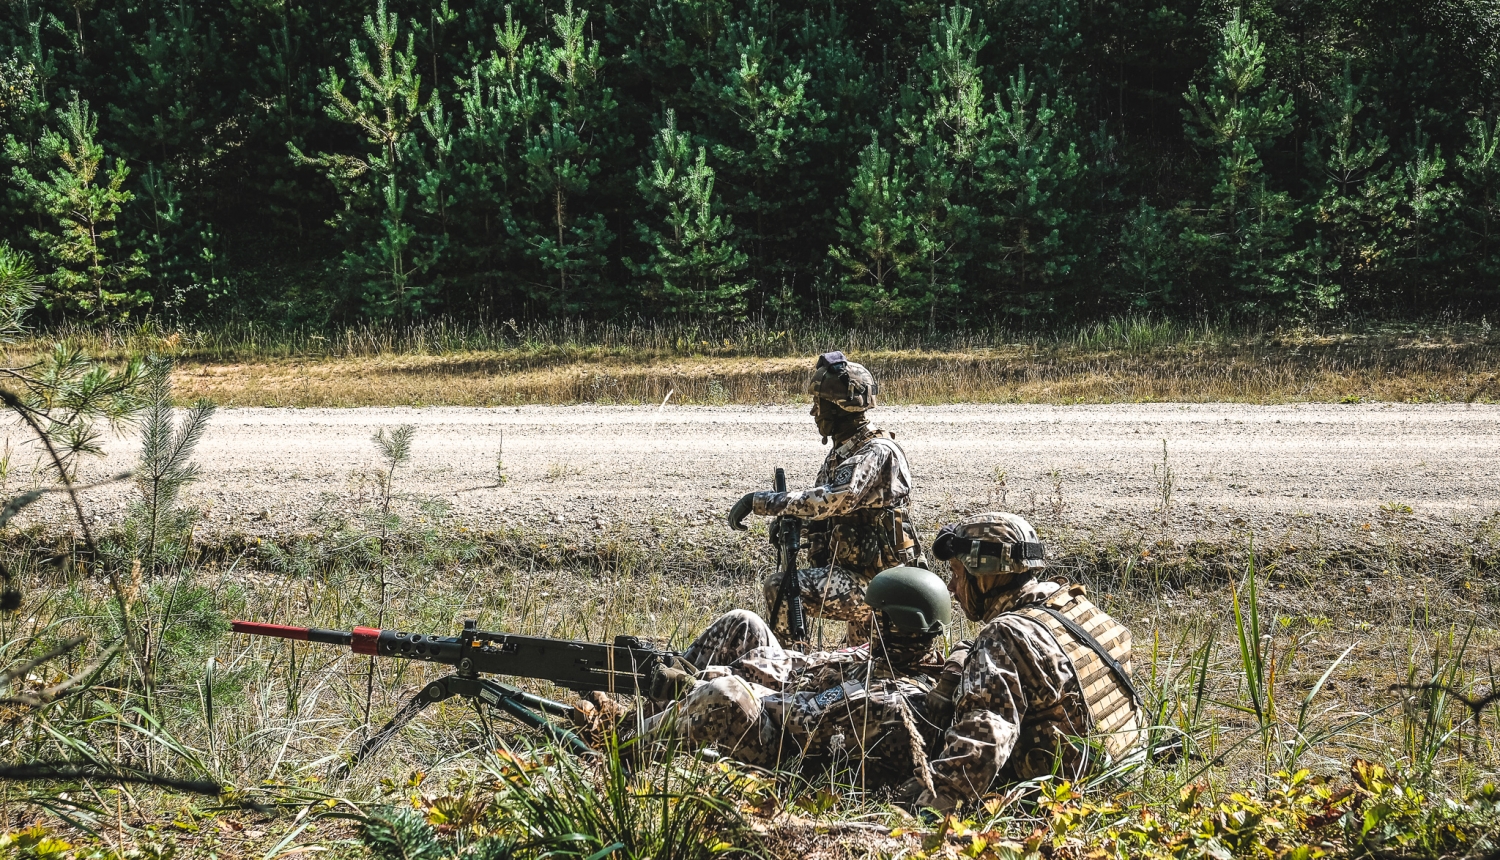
(71,771)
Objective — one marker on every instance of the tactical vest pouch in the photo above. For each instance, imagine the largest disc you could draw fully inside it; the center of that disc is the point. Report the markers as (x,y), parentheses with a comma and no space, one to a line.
(1111,704)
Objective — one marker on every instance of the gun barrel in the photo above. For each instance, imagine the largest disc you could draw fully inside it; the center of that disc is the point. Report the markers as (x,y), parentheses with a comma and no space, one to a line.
(300,634)
(622,667)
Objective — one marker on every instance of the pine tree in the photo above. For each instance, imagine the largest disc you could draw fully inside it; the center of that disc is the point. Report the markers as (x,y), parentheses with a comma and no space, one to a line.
(1356,195)
(1479,165)
(878,245)
(157,531)
(385,256)
(561,165)
(498,99)
(171,98)
(1031,179)
(18,291)
(945,128)
(695,268)
(1243,237)
(180,254)
(1422,213)
(89,278)
(766,130)
(68,394)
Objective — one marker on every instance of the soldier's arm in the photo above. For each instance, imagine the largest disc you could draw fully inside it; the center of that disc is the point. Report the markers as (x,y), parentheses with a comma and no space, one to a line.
(988,709)
(860,482)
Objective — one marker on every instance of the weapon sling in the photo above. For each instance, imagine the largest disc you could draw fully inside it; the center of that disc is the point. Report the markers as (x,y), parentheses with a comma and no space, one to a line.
(1086,638)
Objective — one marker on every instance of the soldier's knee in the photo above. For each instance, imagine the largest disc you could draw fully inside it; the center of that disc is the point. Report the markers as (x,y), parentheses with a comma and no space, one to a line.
(740,618)
(722,710)
(771,583)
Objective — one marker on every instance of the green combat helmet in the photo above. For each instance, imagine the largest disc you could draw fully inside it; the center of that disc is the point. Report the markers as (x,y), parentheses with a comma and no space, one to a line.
(915,600)
(844,383)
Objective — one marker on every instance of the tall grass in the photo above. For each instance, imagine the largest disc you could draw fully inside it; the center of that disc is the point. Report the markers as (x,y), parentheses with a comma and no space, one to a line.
(240,340)
(1131,359)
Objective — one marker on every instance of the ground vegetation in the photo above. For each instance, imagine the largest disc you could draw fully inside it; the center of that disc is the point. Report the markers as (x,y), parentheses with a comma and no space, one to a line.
(1302,704)
(1126,359)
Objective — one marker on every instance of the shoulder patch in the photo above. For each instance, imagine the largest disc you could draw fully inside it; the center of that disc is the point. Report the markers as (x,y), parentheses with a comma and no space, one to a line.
(829,696)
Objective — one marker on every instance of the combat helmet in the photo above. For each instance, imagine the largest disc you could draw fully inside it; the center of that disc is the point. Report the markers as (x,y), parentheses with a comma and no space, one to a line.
(915,600)
(991,543)
(844,383)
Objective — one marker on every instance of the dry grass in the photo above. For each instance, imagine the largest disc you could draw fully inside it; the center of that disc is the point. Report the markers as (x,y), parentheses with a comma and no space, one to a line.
(993,376)
(281,711)
(1132,360)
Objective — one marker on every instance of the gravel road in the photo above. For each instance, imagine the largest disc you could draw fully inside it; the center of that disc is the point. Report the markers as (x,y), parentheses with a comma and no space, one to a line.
(265,471)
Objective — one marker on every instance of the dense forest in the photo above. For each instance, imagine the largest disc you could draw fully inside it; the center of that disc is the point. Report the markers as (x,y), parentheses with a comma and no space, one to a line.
(890,162)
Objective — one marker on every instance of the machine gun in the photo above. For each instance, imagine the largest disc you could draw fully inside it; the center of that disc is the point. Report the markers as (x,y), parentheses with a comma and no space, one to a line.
(786,536)
(624,667)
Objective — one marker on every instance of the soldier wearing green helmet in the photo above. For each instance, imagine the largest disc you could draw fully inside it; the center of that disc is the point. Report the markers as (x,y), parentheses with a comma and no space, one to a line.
(856,514)
(748,698)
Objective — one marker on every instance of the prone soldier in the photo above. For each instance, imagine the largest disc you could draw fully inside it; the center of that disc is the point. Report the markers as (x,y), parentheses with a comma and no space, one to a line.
(857,521)
(752,700)
(1048,667)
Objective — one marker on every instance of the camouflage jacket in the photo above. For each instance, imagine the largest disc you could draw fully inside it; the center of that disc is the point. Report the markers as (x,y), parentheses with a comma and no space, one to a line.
(842,706)
(857,513)
(1017,707)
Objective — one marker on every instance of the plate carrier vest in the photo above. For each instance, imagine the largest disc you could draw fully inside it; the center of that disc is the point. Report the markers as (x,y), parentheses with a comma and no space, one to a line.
(1113,719)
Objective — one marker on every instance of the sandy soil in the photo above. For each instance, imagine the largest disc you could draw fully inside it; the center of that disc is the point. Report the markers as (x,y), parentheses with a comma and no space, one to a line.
(266,471)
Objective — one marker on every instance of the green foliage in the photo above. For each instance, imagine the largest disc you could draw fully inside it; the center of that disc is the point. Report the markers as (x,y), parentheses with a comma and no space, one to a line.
(974,202)
(1031,173)
(550,805)
(1374,813)
(694,267)
(1243,236)
(384,259)
(158,532)
(18,289)
(682,809)
(65,391)
(85,204)
(877,238)
(400,834)
(504,160)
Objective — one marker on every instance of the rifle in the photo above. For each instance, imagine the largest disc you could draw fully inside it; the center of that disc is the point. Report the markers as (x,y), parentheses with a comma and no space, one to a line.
(786,536)
(624,667)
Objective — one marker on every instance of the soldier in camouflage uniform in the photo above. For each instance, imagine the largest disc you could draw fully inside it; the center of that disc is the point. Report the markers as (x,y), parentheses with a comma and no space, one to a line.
(754,701)
(1031,685)
(857,514)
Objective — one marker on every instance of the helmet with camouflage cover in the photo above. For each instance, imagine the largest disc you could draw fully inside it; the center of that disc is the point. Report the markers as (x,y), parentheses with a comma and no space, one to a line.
(991,544)
(844,383)
(915,600)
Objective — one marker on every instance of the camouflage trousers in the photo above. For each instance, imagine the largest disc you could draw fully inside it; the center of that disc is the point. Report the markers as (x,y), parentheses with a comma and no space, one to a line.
(827,592)
(722,710)
(724,713)
(732,635)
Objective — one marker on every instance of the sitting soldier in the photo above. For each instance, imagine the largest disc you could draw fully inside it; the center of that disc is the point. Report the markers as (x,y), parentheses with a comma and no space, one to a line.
(1048,668)
(754,701)
(857,520)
